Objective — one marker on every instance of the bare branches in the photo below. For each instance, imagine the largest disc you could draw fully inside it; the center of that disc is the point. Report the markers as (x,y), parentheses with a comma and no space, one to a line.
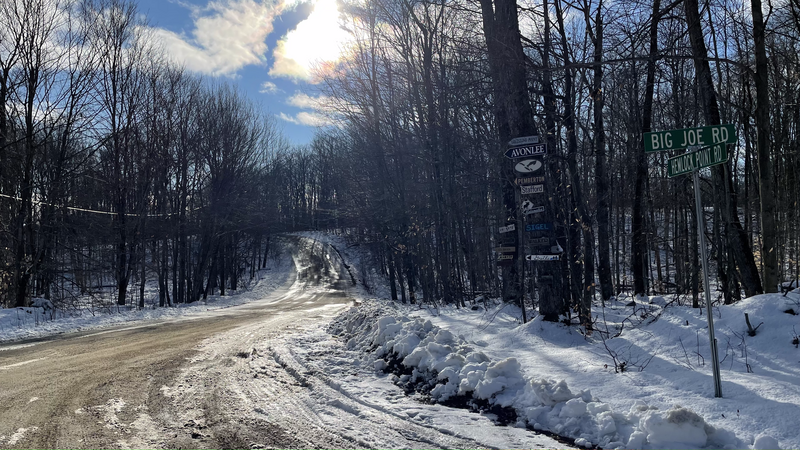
(107,146)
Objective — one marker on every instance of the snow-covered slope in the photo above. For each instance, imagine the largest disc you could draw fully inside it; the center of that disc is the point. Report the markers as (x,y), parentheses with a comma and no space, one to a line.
(556,379)
(642,379)
(41,320)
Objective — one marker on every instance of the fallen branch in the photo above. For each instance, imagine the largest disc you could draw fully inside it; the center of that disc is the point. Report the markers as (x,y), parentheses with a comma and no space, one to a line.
(750,330)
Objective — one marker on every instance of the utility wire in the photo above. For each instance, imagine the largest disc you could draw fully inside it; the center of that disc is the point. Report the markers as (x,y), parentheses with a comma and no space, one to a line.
(92,211)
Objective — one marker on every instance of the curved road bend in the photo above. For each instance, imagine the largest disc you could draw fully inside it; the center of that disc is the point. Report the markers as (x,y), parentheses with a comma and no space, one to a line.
(191,384)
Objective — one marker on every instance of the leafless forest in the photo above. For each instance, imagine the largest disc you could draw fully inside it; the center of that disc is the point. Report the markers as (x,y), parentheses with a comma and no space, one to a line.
(119,170)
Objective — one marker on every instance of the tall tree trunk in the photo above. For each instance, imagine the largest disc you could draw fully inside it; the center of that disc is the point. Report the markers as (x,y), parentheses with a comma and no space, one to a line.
(392,278)
(122,254)
(581,279)
(143,273)
(175,284)
(160,258)
(724,200)
(639,242)
(222,260)
(601,177)
(766,190)
(25,226)
(514,115)
(432,139)
(494,23)
(408,262)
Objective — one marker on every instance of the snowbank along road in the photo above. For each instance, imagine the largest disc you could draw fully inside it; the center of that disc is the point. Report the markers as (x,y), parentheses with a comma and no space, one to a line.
(226,379)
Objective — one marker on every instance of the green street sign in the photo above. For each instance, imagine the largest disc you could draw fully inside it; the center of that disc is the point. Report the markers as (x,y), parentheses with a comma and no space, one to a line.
(705,157)
(657,141)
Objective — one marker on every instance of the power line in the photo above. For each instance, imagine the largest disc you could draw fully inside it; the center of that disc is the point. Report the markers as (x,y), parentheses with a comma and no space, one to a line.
(92,211)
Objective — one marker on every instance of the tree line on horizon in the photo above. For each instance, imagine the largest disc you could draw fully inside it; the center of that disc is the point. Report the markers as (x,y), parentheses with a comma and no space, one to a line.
(119,167)
(433,90)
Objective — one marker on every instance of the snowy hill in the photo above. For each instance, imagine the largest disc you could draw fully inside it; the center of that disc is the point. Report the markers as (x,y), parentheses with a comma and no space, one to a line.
(643,379)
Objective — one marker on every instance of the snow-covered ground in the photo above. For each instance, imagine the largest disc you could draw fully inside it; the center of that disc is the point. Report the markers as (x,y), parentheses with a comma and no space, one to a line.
(558,380)
(658,394)
(641,380)
(38,322)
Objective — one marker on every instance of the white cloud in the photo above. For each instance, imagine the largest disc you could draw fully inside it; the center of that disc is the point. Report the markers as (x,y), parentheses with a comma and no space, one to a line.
(288,118)
(318,116)
(305,101)
(312,45)
(268,87)
(311,119)
(228,35)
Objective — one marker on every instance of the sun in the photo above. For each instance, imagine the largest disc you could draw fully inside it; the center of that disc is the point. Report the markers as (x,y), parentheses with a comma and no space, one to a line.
(314,43)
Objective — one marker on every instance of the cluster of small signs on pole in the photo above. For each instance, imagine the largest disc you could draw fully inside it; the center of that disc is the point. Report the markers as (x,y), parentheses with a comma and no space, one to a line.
(527,156)
(708,147)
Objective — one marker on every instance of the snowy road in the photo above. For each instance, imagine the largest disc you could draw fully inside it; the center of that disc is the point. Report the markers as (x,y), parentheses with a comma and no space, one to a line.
(230,378)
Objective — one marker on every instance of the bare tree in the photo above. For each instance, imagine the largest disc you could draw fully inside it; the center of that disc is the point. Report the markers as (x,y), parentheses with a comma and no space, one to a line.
(769,242)
(724,200)
(119,93)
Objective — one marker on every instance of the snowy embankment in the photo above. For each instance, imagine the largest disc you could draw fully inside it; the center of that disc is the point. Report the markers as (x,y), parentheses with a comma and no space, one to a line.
(42,319)
(643,379)
(555,379)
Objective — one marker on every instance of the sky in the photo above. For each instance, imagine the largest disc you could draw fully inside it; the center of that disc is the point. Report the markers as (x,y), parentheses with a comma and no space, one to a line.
(268,48)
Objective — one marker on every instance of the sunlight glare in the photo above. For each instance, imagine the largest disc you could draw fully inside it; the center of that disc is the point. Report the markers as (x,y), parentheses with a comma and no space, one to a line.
(317,40)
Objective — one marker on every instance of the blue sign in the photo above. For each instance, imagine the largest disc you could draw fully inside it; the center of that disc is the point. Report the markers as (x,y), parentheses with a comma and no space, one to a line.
(547,226)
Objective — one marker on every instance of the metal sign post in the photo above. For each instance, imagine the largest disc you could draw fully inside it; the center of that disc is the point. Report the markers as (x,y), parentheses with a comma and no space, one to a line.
(701,228)
(715,152)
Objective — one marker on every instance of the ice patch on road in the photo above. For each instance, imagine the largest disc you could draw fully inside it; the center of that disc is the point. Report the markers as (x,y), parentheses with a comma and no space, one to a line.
(108,412)
(145,427)
(17,436)
(21,363)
